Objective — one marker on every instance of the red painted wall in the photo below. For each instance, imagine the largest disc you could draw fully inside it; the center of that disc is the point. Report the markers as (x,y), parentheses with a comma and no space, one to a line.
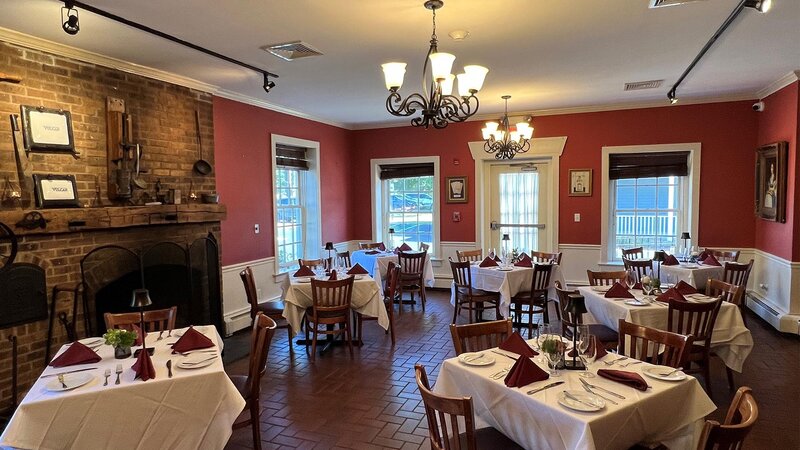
(779,122)
(244,176)
(727,132)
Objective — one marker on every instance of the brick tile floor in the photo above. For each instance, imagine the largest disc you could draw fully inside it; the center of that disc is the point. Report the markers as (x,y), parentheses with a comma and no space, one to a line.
(371,401)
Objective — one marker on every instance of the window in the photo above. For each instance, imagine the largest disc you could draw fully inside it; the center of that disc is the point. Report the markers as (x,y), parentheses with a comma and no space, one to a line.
(512,188)
(406,197)
(650,197)
(296,200)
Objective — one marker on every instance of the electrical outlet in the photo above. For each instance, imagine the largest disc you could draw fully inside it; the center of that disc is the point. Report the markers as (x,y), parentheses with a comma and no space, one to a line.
(456,216)
(577,217)
(257,228)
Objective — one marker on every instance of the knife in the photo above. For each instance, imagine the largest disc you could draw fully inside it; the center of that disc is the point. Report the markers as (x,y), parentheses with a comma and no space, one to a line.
(576,399)
(503,354)
(69,371)
(533,391)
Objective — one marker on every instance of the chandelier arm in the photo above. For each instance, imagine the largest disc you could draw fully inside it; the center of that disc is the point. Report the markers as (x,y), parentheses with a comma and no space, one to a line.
(398,106)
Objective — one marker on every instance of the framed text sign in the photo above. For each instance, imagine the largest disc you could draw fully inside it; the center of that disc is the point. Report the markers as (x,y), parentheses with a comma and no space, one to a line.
(55,191)
(47,129)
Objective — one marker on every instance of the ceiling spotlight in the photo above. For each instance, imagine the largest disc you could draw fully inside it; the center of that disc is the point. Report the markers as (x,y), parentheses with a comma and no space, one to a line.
(673,98)
(69,19)
(268,85)
(761,6)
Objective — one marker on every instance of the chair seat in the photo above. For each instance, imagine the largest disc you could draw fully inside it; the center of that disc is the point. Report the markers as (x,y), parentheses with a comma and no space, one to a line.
(490,439)
(272,308)
(526,295)
(602,332)
(240,383)
(477,292)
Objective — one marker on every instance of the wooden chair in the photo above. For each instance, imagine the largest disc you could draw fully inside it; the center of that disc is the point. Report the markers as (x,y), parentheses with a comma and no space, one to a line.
(730,434)
(469,255)
(545,258)
(476,337)
(732,294)
(272,309)
(423,247)
(331,307)
(311,262)
(697,320)
(250,386)
(639,267)
(535,299)
(724,256)
(443,415)
(652,345)
(389,295)
(604,334)
(343,259)
(633,253)
(412,276)
(738,274)
(369,245)
(470,298)
(605,278)
(154,320)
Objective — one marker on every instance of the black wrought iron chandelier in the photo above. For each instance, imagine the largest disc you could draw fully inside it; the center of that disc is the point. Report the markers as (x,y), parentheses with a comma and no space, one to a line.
(502,140)
(438,107)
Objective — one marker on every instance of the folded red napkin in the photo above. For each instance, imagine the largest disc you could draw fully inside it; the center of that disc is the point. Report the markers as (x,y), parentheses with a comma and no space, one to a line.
(524,262)
(670,260)
(685,288)
(516,344)
(77,353)
(638,285)
(711,261)
(191,340)
(524,372)
(371,252)
(357,270)
(405,247)
(618,291)
(333,276)
(382,247)
(488,262)
(304,271)
(632,379)
(670,293)
(143,367)
(703,255)
(524,255)
(139,335)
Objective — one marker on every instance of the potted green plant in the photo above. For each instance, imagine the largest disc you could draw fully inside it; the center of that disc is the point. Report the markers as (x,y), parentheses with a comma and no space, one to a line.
(121,340)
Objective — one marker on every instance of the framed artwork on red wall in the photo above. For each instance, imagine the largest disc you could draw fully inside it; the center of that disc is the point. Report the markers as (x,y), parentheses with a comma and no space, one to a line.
(457,190)
(580,182)
(770,198)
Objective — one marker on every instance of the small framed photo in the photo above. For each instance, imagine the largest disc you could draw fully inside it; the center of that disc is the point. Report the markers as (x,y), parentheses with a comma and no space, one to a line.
(47,129)
(580,182)
(771,179)
(55,191)
(457,190)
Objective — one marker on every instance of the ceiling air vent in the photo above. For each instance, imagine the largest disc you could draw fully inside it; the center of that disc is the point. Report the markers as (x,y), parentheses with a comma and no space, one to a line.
(639,85)
(289,51)
(663,3)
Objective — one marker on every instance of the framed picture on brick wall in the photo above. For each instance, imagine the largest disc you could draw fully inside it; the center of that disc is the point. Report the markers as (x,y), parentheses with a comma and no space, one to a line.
(47,129)
(55,191)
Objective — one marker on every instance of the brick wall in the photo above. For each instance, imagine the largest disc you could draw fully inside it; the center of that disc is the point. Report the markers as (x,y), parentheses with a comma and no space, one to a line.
(163,124)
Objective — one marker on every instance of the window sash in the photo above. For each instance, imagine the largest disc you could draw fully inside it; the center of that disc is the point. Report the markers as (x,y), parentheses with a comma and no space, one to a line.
(407,222)
(290,246)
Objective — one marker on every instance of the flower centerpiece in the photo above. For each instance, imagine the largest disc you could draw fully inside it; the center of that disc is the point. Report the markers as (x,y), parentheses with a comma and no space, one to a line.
(514,255)
(121,340)
(650,284)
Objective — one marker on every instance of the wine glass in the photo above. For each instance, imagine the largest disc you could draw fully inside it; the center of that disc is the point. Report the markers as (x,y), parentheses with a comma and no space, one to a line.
(648,289)
(630,278)
(588,357)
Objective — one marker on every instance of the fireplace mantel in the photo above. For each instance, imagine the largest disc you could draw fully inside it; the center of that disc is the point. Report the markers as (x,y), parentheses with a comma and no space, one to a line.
(71,220)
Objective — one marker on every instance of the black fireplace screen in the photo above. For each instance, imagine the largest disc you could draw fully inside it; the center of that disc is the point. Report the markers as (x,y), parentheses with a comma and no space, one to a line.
(176,275)
(23,298)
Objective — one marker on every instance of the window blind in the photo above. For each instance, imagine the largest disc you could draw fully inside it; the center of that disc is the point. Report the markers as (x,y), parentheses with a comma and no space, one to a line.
(391,171)
(290,156)
(645,165)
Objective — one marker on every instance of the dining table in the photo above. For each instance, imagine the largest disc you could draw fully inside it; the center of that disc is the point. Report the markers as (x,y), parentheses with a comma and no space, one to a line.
(367,299)
(508,282)
(730,339)
(693,273)
(192,409)
(670,412)
(377,263)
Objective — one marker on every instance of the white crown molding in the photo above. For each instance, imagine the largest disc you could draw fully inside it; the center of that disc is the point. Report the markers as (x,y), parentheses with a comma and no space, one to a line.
(255,101)
(779,84)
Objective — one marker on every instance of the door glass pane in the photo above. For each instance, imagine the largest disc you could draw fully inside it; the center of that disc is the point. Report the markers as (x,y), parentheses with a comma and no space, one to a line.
(519,204)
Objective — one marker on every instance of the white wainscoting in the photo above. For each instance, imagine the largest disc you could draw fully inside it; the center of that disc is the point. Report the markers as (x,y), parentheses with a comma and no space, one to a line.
(441,264)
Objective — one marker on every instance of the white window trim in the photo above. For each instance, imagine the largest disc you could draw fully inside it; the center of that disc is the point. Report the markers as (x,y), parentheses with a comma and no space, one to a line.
(693,187)
(313,217)
(378,208)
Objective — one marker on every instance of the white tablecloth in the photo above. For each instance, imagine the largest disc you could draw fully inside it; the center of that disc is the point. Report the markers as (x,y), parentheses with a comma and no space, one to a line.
(669,412)
(508,283)
(193,410)
(367,299)
(731,340)
(694,274)
(378,264)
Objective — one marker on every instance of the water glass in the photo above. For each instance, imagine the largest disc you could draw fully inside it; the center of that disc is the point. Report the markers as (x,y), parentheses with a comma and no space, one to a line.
(588,357)
(630,278)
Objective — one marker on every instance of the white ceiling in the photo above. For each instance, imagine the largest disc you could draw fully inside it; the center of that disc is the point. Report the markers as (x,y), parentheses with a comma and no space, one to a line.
(546,54)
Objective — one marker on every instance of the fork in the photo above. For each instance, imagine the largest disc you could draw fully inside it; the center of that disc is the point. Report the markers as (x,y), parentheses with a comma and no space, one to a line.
(614,361)
(630,364)
(119,372)
(500,374)
(587,389)
(107,374)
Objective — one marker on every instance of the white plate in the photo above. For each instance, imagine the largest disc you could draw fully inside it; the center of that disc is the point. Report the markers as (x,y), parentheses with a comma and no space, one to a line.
(304,279)
(690,265)
(188,363)
(656,371)
(72,380)
(591,399)
(359,277)
(601,288)
(505,269)
(636,303)
(476,359)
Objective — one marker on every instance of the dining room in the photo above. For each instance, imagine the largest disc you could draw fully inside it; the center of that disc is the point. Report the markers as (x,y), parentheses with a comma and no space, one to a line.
(284,225)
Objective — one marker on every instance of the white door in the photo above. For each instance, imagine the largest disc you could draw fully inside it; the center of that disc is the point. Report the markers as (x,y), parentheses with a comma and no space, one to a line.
(517,206)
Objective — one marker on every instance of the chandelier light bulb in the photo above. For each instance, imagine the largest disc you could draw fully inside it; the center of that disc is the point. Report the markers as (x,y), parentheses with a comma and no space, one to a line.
(475,77)
(393,74)
(441,65)
(447,84)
